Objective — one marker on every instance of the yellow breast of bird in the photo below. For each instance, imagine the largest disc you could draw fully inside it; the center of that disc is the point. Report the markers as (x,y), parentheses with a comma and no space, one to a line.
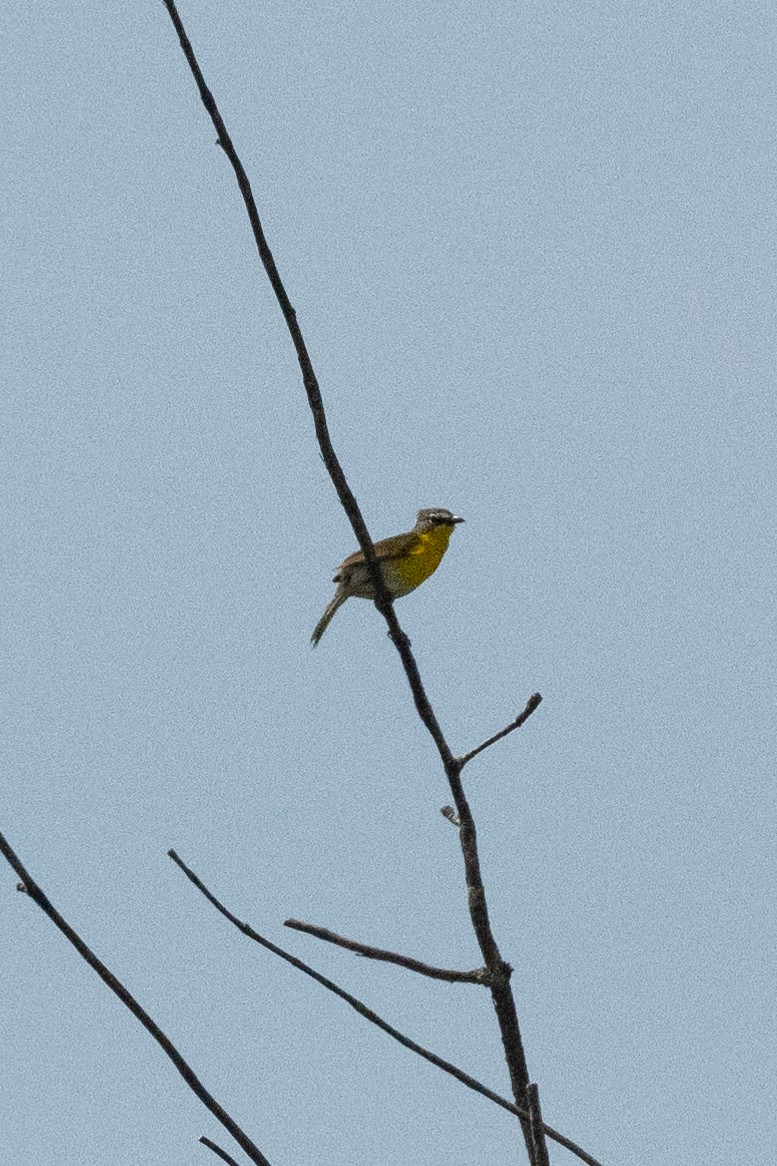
(405,573)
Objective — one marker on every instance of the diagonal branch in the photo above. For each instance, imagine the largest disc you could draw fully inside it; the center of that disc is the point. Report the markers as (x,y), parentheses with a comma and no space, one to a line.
(309,379)
(392,957)
(499,971)
(532,703)
(32,889)
(247,930)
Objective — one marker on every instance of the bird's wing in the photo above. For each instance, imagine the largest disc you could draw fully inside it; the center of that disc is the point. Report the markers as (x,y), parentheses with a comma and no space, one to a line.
(385,550)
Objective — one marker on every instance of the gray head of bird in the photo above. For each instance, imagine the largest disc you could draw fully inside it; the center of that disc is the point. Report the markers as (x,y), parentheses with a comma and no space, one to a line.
(435,516)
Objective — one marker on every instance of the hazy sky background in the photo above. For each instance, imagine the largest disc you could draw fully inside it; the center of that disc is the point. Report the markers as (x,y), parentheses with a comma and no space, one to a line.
(534,254)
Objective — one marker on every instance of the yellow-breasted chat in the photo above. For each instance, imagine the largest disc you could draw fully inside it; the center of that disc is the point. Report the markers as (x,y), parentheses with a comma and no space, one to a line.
(405,561)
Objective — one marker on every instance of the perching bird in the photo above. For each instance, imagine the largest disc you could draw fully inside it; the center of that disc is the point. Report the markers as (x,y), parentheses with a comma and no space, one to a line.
(405,561)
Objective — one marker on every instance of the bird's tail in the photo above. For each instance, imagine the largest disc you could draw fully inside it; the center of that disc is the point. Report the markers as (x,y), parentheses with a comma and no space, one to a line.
(338,600)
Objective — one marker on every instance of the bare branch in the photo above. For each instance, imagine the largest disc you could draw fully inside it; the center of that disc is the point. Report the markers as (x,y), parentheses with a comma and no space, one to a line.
(471,1083)
(532,703)
(449,813)
(37,895)
(499,971)
(217,1150)
(392,957)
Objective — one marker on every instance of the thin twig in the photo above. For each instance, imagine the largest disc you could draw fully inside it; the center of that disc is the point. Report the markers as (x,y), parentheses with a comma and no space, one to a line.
(532,703)
(217,1150)
(37,895)
(347,498)
(368,1014)
(391,957)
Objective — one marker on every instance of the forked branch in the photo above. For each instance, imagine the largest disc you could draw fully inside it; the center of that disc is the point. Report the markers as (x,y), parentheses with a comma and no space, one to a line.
(368,1014)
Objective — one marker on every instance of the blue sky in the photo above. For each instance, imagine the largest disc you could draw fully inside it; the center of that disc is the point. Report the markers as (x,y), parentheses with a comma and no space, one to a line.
(533,252)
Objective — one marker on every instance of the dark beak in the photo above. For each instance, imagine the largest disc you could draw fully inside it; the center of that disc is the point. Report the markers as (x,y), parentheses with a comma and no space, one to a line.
(454,519)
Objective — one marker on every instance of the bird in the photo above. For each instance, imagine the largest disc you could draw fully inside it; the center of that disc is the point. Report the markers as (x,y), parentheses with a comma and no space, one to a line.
(406,560)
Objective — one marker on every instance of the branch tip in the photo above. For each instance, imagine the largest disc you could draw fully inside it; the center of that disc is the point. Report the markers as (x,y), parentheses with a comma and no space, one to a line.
(217,1150)
(532,704)
(449,813)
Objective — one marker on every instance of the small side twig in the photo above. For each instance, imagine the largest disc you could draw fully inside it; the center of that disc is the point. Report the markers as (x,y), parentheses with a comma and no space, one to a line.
(478,976)
(106,975)
(217,1150)
(535,1121)
(532,704)
(368,1014)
